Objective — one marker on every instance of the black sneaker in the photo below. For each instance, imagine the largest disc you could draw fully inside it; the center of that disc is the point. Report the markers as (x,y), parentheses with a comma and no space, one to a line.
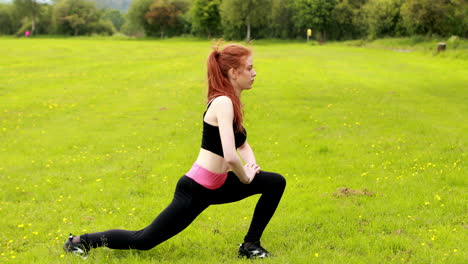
(76,248)
(253,250)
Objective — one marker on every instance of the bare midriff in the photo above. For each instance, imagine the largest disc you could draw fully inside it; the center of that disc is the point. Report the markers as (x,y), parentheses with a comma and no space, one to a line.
(212,162)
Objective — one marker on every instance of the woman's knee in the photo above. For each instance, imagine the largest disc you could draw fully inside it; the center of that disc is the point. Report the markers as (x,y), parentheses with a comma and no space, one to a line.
(145,244)
(281,181)
(275,179)
(143,240)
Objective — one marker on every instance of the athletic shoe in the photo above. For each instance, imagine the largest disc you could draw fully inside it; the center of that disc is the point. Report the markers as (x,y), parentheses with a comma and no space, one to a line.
(253,250)
(76,248)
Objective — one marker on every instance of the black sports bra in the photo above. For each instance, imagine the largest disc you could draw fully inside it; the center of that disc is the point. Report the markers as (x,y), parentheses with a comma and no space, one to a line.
(211,140)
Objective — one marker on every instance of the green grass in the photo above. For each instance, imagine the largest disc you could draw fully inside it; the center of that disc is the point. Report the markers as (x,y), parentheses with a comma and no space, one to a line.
(456,48)
(95,133)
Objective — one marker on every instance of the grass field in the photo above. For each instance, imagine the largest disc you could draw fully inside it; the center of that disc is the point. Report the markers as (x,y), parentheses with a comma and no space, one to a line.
(95,133)
(457,48)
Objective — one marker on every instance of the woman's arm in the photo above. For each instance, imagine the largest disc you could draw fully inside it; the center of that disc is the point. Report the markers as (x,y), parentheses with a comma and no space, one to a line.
(225,116)
(247,154)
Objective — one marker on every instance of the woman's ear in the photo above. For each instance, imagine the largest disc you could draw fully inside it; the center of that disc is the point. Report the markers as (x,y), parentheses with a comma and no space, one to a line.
(232,74)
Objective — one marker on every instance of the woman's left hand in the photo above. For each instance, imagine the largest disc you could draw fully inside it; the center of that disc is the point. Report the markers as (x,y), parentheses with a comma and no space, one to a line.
(255,166)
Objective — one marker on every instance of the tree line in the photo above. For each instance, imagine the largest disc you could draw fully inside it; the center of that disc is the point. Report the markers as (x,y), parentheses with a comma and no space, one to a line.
(242,19)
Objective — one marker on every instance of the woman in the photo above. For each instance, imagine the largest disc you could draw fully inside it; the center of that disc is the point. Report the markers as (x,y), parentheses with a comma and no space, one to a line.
(217,176)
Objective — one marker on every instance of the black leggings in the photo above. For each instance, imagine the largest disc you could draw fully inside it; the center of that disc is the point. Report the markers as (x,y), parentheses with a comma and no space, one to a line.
(190,199)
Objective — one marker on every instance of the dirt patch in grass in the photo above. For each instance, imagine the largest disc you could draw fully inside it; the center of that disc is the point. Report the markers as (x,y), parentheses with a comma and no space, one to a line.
(345,192)
(402,50)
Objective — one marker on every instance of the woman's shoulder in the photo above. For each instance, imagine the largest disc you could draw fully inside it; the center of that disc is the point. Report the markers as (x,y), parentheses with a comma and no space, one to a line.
(222,101)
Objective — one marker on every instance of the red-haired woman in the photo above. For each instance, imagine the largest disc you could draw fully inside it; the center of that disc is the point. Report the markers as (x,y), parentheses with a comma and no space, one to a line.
(218,175)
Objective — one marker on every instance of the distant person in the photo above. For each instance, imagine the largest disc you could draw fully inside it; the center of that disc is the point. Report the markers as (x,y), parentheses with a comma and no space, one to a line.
(217,176)
(27,33)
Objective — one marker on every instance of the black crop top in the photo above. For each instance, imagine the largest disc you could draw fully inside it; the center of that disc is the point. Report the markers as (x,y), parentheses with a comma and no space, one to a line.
(211,139)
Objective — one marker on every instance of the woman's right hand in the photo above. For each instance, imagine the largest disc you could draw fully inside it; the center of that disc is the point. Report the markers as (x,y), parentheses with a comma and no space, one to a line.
(251,170)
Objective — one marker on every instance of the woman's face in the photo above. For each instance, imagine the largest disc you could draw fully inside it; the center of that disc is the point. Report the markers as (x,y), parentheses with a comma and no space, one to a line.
(245,75)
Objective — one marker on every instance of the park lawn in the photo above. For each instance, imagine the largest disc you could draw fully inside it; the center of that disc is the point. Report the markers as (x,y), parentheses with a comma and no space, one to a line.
(95,133)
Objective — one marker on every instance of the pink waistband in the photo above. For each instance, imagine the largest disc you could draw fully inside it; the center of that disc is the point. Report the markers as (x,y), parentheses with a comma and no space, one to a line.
(206,178)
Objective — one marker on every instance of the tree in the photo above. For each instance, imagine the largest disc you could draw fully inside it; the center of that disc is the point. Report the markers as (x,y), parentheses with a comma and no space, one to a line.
(147,16)
(8,23)
(73,16)
(281,23)
(315,14)
(459,20)
(30,9)
(434,16)
(166,15)
(78,17)
(205,17)
(136,21)
(245,13)
(346,22)
(382,17)
(115,17)
(343,16)
(121,5)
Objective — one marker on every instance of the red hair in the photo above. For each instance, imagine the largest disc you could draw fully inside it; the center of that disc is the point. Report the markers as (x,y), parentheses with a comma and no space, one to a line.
(219,63)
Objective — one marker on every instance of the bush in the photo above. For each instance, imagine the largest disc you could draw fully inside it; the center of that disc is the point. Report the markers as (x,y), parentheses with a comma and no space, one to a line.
(103,27)
(453,42)
(130,29)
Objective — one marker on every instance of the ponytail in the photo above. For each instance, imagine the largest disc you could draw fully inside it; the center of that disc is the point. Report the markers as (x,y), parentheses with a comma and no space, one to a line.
(219,63)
